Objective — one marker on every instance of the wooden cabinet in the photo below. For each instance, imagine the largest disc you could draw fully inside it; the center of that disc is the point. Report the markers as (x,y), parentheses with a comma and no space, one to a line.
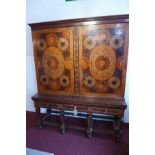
(81,65)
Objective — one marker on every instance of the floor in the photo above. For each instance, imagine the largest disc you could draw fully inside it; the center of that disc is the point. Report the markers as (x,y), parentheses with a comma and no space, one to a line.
(73,142)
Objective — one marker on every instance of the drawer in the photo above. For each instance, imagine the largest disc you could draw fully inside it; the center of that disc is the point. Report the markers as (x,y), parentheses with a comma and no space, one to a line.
(109,111)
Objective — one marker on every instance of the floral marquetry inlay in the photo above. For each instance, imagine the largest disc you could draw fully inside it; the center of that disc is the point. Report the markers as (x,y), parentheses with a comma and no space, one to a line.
(83,60)
(41,44)
(51,39)
(89,42)
(102,62)
(101,59)
(63,44)
(54,55)
(53,62)
(116,41)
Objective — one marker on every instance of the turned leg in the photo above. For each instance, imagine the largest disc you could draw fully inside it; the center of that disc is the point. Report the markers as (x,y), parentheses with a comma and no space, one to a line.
(62,122)
(117,128)
(39,122)
(89,126)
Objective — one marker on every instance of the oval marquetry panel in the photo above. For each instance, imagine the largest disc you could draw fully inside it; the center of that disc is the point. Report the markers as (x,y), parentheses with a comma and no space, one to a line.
(53,62)
(102,62)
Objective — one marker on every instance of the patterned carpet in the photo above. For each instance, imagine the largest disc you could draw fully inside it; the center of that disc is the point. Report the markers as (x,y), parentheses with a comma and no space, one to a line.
(73,142)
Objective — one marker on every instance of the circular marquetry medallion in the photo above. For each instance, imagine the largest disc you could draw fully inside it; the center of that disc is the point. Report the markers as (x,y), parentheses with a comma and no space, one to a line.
(102,62)
(116,41)
(63,44)
(101,87)
(41,44)
(89,42)
(53,62)
(89,81)
(103,36)
(68,63)
(64,80)
(51,39)
(44,79)
(85,63)
(114,82)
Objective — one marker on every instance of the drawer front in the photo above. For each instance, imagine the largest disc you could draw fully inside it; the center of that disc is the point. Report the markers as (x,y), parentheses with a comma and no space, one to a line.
(53,51)
(109,111)
(87,109)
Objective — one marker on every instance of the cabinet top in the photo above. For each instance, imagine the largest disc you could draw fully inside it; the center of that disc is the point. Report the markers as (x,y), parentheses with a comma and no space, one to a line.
(81,21)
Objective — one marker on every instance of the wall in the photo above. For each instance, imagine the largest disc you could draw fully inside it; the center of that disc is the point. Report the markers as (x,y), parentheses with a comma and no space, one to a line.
(48,10)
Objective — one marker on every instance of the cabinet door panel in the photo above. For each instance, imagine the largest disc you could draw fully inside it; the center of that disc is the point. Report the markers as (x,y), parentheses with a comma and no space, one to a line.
(53,51)
(102,59)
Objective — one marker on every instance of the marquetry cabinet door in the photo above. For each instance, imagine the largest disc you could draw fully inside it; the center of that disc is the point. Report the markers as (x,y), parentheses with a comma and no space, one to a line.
(103,59)
(53,52)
